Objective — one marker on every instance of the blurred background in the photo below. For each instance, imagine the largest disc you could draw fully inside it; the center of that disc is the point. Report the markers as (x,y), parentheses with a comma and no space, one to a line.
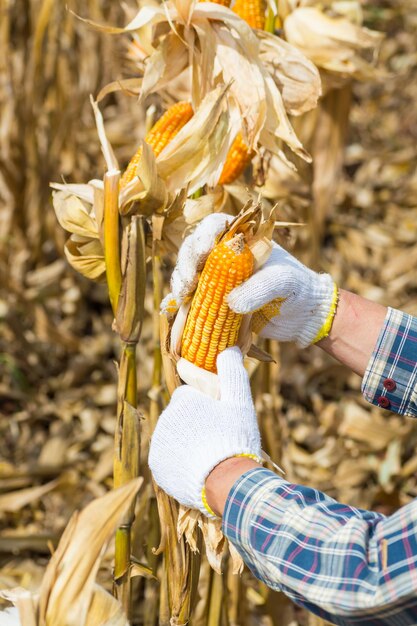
(57,349)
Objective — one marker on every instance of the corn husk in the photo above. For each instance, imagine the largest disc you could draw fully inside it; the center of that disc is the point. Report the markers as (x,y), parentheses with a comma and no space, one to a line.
(206,33)
(296,77)
(333,43)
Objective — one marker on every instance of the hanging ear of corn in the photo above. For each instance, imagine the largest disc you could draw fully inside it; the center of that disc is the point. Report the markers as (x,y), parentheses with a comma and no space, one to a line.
(237,160)
(252,11)
(160,135)
(211,325)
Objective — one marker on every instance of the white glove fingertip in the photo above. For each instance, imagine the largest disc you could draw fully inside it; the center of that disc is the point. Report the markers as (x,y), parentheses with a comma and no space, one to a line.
(255,292)
(193,251)
(233,377)
(206,232)
(238,301)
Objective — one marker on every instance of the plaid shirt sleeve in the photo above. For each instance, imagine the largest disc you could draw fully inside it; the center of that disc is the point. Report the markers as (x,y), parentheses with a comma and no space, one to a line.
(390,380)
(346,565)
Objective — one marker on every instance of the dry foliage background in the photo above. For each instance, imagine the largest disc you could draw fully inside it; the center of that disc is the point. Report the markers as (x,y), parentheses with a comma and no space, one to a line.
(58,379)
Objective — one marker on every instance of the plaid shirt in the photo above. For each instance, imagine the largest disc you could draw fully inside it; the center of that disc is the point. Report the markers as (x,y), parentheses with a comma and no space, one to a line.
(344,564)
(390,380)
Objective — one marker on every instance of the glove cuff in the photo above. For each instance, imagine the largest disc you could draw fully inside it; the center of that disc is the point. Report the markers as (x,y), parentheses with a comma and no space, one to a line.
(323,302)
(208,511)
(197,493)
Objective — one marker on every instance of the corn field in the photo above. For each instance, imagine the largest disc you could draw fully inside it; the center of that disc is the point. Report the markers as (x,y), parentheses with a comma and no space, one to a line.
(123,125)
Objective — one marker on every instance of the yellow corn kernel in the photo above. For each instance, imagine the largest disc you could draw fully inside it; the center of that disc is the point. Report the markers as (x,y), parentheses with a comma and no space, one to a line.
(211,325)
(169,125)
(252,11)
(160,135)
(238,158)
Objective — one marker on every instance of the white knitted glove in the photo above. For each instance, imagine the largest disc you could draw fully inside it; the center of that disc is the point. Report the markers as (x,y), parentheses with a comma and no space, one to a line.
(9,617)
(195,433)
(303,301)
(193,252)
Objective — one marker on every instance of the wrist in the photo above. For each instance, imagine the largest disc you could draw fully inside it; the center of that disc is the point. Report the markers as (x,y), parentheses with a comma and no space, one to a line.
(355,330)
(222,478)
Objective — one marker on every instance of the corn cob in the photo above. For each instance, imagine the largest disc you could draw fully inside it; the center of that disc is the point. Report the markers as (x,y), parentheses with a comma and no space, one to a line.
(252,11)
(238,158)
(211,325)
(160,135)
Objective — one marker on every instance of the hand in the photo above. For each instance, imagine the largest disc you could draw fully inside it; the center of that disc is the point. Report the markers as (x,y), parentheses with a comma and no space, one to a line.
(301,303)
(293,303)
(195,433)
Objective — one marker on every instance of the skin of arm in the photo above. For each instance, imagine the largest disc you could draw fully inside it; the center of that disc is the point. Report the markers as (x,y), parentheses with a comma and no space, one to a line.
(355,330)
(222,478)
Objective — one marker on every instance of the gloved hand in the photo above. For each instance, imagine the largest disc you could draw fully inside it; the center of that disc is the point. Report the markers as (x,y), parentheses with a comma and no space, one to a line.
(300,303)
(297,304)
(195,433)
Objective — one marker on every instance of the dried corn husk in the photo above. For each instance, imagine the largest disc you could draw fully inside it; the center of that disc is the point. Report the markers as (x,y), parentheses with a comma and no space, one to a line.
(208,37)
(295,75)
(332,42)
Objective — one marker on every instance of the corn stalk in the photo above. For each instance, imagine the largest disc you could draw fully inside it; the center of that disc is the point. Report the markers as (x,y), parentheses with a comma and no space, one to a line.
(126,279)
(181,566)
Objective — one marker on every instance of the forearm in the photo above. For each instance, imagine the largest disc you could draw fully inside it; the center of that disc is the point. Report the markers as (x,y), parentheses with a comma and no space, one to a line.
(355,330)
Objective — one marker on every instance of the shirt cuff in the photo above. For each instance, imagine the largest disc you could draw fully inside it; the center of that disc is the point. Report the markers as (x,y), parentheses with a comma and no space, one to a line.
(390,379)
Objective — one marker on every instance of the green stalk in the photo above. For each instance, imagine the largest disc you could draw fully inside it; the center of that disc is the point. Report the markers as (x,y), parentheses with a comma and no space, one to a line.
(126,467)
(131,393)
(270,21)
(129,317)
(112,236)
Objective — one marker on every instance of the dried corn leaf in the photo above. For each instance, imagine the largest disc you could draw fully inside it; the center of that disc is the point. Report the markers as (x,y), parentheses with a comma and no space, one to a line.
(82,191)
(214,540)
(105,610)
(26,604)
(106,148)
(15,500)
(197,209)
(86,256)
(277,127)
(332,43)
(239,69)
(146,193)
(187,525)
(295,75)
(68,584)
(167,62)
(74,215)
